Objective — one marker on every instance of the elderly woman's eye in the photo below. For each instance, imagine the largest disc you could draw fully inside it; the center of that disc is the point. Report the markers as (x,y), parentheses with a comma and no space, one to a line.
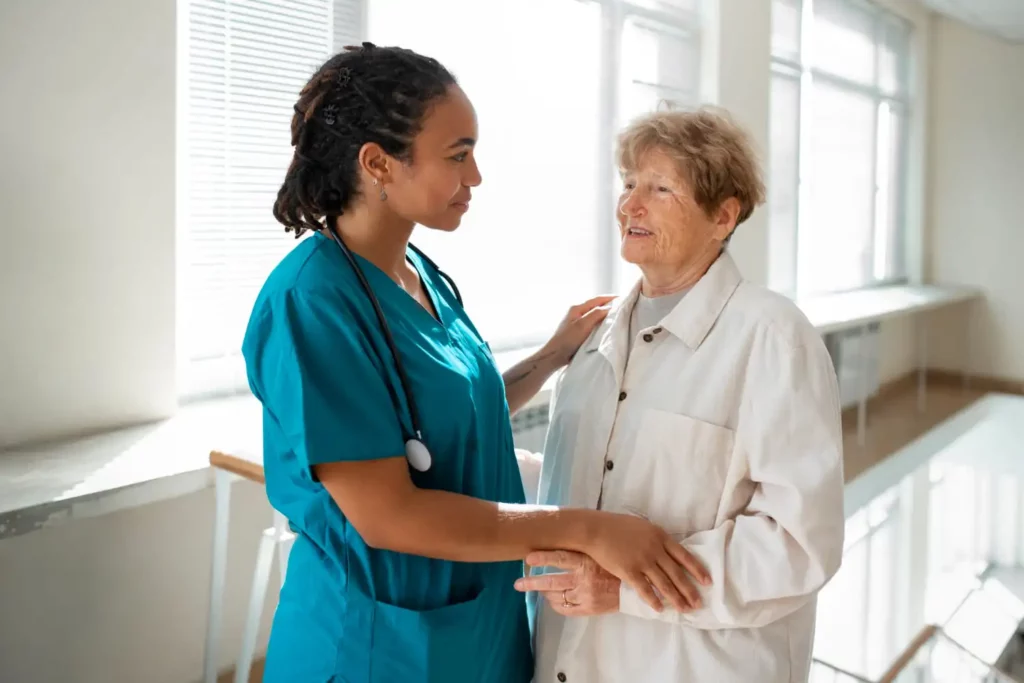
(662,188)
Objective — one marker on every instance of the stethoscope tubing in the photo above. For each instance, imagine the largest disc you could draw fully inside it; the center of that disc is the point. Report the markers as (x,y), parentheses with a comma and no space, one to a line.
(416,451)
(388,339)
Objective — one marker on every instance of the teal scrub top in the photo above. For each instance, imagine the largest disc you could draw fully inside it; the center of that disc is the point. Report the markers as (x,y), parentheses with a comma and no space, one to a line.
(317,360)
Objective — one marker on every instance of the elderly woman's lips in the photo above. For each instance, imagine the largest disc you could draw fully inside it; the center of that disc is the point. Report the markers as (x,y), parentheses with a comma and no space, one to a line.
(637,232)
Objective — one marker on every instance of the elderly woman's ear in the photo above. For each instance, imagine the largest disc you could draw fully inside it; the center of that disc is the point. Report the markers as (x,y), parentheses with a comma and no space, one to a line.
(726,217)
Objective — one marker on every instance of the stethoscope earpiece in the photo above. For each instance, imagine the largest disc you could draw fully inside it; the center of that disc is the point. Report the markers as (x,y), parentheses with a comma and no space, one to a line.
(417,455)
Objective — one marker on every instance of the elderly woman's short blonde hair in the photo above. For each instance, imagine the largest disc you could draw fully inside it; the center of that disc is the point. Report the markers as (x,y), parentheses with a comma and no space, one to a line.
(713,154)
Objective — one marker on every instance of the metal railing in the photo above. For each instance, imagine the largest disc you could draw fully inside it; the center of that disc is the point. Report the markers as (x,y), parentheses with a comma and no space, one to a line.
(934,657)
(823,672)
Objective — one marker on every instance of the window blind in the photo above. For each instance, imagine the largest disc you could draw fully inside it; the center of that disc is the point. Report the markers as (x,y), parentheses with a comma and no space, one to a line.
(243,64)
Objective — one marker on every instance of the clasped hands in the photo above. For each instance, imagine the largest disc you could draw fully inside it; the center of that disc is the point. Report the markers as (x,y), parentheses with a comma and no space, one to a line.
(584,588)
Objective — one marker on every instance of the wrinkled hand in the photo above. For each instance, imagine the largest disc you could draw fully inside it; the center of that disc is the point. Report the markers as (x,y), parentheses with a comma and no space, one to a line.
(574,329)
(584,586)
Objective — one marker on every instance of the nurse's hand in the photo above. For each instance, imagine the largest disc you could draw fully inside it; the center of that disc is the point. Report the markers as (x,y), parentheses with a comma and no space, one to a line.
(583,589)
(647,558)
(574,329)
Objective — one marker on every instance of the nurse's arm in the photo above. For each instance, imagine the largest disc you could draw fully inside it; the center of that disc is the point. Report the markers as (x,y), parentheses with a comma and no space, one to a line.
(773,558)
(390,512)
(525,379)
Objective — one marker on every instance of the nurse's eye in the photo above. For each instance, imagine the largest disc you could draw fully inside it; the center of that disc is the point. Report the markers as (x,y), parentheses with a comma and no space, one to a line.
(460,157)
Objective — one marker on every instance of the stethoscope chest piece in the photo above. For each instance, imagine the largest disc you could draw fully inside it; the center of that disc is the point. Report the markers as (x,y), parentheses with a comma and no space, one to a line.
(417,455)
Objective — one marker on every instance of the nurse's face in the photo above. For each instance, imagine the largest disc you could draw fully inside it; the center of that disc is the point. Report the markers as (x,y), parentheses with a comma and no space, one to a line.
(434,189)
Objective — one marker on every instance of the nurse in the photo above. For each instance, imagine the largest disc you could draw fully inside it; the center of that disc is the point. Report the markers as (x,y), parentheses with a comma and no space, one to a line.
(404,570)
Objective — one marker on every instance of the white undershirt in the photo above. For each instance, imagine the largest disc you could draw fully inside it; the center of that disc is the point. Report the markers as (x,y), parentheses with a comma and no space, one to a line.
(649,311)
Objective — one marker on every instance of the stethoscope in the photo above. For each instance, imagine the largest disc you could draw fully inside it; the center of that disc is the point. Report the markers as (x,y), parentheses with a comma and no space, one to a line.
(416,452)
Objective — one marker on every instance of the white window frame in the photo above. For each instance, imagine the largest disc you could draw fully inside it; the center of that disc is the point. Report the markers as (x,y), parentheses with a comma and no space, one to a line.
(225,375)
(615,14)
(801,72)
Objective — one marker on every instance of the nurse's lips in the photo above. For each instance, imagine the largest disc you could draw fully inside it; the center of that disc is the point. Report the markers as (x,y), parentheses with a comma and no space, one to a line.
(461,206)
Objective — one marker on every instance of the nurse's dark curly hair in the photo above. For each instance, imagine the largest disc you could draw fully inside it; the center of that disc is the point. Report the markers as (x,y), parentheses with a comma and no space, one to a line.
(364,94)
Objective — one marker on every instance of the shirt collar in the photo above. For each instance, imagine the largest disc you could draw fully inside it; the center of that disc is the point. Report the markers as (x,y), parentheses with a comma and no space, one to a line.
(696,314)
(690,320)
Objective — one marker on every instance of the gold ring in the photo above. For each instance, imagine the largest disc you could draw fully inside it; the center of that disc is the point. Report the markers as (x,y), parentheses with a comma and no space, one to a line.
(565,600)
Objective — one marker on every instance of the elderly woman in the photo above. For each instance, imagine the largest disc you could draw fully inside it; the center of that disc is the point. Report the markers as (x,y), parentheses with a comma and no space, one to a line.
(709,406)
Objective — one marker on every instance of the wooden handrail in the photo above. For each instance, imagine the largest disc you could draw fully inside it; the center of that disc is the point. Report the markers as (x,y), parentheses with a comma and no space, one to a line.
(909,652)
(243,468)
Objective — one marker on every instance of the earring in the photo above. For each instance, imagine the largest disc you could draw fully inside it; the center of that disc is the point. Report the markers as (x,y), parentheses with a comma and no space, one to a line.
(383,193)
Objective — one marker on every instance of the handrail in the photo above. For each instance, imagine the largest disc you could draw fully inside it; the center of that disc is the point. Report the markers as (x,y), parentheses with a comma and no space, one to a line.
(909,652)
(839,670)
(1002,676)
(923,637)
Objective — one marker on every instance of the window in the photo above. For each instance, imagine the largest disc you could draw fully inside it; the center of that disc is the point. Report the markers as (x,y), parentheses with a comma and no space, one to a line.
(839,115)
(549,96)
(552,80)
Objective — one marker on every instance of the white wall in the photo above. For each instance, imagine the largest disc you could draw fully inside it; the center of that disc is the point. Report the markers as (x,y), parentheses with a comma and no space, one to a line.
(977,155)
(87,190)
(123,597)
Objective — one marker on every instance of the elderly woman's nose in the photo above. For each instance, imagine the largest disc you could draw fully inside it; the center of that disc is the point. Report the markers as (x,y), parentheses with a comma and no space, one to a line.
(631,205)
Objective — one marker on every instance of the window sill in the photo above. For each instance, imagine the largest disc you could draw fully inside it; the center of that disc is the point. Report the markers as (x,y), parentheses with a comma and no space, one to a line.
(43,485)
(46,484)
(848,310)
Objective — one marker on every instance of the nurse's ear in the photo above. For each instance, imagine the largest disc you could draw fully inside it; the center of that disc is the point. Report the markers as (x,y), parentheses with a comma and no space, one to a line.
(375,163)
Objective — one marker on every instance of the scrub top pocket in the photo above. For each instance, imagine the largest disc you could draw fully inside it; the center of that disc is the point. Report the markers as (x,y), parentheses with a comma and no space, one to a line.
(450,644)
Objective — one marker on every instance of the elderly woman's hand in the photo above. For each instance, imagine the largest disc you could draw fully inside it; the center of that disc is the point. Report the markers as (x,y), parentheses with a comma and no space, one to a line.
(583,589)
(574,329)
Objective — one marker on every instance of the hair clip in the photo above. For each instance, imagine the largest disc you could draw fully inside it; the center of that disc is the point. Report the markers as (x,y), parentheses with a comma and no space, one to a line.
(330,114)
(343,76)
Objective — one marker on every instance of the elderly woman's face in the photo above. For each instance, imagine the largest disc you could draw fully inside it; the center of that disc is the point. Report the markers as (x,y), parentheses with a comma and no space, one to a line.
(660,222)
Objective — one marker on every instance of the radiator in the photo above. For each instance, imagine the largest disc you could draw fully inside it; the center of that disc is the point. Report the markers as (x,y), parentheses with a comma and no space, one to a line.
(855,356)
(529,427)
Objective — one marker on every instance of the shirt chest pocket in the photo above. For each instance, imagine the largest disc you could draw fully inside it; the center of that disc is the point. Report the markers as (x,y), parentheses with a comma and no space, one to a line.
(677,473)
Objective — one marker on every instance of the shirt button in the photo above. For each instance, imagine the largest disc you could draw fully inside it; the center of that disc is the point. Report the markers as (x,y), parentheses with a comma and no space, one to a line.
(648,337)
(622,395)
(609,465)
(561,677)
